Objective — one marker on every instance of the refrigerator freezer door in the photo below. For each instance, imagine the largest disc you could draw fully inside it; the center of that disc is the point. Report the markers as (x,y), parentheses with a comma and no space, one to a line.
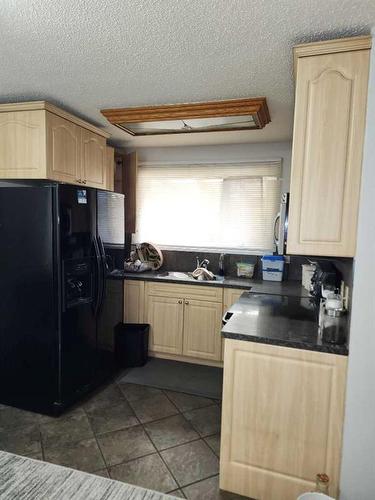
(80,288)
(29,298)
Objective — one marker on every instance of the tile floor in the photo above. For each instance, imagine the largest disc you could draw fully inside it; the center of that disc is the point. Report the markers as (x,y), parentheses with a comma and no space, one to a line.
(163,440)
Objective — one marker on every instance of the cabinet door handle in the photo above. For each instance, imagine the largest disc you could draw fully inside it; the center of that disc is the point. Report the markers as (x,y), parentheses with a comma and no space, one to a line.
(187,302)
(79,180)
(84,182)
(180,301)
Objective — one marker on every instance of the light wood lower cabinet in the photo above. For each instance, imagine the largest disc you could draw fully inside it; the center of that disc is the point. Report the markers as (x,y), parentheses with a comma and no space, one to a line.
(202,325)
(185,320)
(230,296)
(282,420)
(166,318)
(134,293)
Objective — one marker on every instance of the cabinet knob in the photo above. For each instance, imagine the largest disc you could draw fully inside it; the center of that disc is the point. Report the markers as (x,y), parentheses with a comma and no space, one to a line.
(187,302)
(84,182)
(180,301)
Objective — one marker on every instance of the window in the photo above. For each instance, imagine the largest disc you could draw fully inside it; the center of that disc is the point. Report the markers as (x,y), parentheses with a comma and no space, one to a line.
(111,218)
(212,207)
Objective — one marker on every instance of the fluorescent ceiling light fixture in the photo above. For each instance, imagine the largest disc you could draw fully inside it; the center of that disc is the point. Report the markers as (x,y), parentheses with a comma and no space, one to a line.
(214,116)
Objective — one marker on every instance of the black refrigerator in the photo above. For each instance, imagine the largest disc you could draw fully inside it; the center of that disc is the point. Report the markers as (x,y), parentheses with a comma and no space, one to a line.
(58,304)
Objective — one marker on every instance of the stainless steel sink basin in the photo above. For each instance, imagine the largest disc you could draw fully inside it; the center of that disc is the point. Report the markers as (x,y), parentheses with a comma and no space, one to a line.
(178,275)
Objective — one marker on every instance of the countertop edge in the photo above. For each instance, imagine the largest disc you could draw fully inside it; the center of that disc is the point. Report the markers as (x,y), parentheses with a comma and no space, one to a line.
(293,288)
(327,349)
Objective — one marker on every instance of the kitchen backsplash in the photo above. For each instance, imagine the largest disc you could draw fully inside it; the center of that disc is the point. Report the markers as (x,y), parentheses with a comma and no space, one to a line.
(185,261)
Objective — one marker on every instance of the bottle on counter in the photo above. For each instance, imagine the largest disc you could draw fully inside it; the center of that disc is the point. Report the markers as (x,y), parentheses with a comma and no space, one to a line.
(221,265)
(322,483)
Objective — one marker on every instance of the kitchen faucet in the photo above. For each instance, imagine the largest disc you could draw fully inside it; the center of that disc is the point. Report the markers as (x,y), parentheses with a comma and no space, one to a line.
(204,263)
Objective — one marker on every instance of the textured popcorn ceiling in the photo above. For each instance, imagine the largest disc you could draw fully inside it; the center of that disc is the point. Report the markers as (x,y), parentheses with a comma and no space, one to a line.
(90,54)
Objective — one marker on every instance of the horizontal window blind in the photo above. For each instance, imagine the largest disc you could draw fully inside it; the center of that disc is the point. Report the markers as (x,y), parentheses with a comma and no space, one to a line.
(111,218)
(221,206)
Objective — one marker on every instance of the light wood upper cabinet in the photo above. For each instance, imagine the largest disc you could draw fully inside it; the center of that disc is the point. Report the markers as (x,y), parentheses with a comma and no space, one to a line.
(202,325)
(94,159)
(110,169)
(40,141)
(134,291)
(329,123)
(282,420)
(63,149)
(22,145)
(165,316)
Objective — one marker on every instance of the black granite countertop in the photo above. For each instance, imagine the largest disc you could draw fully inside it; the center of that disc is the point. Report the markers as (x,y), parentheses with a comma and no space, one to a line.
(282,320)
(290,288)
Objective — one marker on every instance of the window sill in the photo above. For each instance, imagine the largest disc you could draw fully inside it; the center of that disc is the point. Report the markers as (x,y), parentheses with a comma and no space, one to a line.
(233,251)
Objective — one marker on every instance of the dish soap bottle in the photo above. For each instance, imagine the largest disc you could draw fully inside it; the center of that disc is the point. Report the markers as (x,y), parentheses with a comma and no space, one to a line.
(221,264)
(322,483)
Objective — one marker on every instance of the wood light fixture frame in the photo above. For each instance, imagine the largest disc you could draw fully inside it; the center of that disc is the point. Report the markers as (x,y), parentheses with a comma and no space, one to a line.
(255,107)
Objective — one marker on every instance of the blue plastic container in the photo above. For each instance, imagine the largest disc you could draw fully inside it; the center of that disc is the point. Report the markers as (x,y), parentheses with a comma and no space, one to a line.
(272,267)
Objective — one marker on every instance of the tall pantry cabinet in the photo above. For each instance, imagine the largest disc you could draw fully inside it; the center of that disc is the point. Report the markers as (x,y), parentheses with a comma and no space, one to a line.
(329,124)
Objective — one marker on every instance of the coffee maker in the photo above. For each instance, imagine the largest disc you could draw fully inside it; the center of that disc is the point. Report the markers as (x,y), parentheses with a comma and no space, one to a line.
(325,287)
(326,279)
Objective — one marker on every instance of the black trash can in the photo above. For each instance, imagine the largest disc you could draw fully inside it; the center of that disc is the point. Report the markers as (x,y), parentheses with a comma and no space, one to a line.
(131,344)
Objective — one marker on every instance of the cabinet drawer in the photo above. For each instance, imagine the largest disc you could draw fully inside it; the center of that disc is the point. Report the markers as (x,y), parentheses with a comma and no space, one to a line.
(210,293)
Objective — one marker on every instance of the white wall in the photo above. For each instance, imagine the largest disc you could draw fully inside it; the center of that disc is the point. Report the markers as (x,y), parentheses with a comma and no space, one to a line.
(222,153)
(358,465)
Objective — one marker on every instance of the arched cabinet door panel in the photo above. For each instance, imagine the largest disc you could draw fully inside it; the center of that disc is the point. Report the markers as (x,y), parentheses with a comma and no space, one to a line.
(329,122)
(63,149)
(94,159)
(22,139)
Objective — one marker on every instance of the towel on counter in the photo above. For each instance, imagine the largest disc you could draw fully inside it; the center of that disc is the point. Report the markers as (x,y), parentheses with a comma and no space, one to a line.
(203,274)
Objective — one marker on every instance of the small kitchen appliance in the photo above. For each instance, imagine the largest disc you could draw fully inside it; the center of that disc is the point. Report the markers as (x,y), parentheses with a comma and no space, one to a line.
(326,278)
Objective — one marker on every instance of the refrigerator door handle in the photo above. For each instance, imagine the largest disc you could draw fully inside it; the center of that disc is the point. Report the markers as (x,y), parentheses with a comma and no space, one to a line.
(102,252)
(103,269)
(98,262)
